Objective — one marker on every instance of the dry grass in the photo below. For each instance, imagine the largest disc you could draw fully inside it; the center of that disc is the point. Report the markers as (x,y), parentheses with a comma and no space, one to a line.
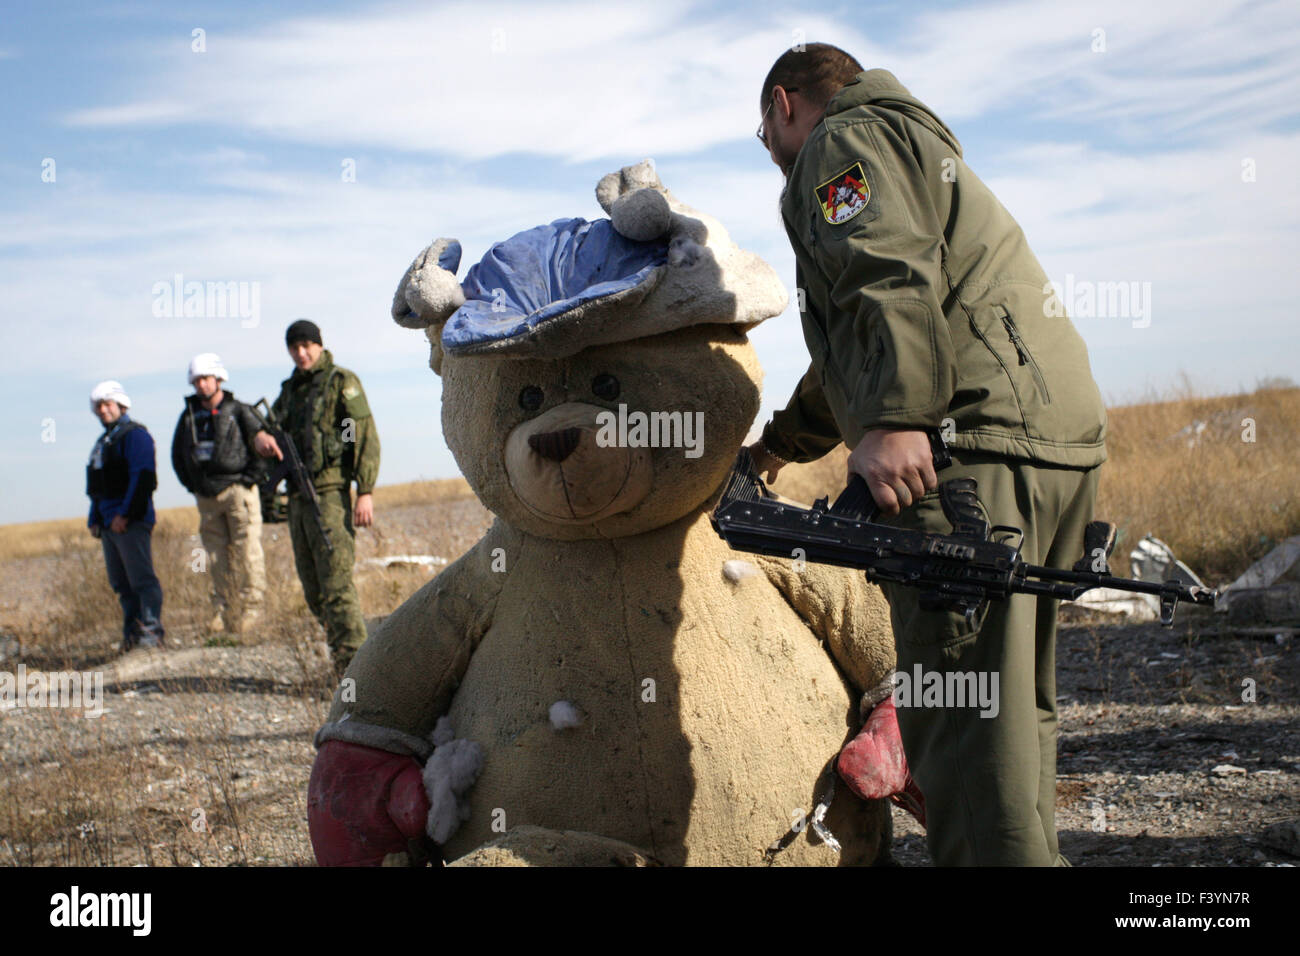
(422,492)
(1187,471)
(34,538)
(208,767)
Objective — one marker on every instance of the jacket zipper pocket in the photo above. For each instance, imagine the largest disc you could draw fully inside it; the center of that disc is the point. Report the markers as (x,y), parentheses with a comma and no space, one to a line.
(1023,351)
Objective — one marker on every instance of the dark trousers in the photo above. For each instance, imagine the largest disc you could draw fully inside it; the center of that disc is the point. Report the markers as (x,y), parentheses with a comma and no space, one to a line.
(128,555)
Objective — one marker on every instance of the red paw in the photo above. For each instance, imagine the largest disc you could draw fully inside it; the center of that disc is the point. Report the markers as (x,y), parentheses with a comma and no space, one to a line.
(874,766)
(363,804)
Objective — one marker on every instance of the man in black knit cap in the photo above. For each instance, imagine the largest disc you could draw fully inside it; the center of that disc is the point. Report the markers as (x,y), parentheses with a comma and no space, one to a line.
(323,408)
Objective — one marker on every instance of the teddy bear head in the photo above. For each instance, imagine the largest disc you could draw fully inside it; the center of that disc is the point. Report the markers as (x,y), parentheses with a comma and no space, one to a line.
(597,376)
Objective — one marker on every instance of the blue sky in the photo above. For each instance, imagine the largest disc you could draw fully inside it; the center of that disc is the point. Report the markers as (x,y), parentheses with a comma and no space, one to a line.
(1147,143)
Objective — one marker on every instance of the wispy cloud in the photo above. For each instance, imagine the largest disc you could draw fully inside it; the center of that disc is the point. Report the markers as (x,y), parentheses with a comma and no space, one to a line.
(87,260)
(155,112)
(478,120)
(553,80)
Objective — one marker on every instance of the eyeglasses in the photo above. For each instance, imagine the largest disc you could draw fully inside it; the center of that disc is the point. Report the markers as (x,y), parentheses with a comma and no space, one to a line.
(762,131)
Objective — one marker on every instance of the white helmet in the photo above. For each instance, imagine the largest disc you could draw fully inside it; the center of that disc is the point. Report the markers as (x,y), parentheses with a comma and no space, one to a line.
(109,391)
(207,363)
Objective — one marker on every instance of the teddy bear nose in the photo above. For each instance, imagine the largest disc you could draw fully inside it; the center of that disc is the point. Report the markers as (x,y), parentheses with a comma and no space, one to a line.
(556,445)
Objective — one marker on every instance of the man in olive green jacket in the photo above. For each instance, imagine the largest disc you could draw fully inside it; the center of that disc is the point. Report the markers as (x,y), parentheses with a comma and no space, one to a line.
(323,408)
(924,308)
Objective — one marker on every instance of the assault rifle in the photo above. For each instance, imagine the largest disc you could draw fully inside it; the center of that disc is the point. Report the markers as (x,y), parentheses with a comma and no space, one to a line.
(290,470)
(960,571)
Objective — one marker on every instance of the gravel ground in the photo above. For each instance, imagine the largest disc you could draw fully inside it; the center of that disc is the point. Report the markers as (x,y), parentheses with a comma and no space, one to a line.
(1160,762)
(203,753)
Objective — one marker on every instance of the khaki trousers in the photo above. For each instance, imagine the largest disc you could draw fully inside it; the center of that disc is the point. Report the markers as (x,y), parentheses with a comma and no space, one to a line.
(230,525)
(990,781)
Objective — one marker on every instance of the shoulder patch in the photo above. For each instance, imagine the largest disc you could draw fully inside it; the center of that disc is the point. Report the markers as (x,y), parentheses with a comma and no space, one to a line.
(354,398)
(844,196)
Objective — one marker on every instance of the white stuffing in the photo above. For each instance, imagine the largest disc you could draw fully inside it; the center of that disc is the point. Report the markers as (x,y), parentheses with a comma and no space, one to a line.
(684,251)
(564,715)
(448,776)
(442,732)
(736,571)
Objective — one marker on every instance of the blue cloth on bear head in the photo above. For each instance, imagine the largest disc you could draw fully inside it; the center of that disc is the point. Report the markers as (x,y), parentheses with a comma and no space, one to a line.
(538,276)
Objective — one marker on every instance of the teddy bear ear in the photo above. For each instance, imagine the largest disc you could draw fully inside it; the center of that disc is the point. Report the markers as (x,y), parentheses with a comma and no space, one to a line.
(429,293)
(626,180)
(637,203)
(708,278)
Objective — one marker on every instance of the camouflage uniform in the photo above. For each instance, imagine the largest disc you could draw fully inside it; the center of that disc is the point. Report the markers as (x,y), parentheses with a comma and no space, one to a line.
(324,410)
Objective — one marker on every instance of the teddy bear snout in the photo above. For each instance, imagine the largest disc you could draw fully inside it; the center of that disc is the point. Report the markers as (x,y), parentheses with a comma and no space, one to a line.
(556,445)
(561,470)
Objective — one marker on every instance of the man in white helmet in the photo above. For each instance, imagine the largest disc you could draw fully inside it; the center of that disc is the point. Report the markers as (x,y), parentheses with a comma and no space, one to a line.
(212,454)
(120,480)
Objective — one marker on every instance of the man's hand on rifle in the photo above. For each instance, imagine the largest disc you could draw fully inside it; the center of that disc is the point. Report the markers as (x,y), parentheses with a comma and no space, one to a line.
(363,515)
(765,463)
(897,465)
(266,446)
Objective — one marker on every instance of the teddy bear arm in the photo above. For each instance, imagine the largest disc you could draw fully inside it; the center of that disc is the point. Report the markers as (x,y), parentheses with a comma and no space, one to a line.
(850,616)
(403,678)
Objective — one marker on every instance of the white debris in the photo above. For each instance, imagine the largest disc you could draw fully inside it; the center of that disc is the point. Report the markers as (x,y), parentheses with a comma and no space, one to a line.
(1151,560)
(821,829)
(1273,567)
(564,715)
(736,571)
(1280,568)
(414,560)
(1227,770)
(1140,607)
(448,777)
(1192,433)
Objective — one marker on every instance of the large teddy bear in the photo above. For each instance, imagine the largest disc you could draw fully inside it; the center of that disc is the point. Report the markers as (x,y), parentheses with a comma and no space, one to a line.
(601,679)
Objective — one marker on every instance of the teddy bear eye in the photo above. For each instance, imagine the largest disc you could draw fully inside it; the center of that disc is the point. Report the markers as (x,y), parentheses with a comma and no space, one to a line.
(605,386)
(530,398)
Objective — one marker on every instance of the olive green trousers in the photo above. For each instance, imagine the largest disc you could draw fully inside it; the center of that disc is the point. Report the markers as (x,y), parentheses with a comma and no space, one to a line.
(326,575)
(989,772)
